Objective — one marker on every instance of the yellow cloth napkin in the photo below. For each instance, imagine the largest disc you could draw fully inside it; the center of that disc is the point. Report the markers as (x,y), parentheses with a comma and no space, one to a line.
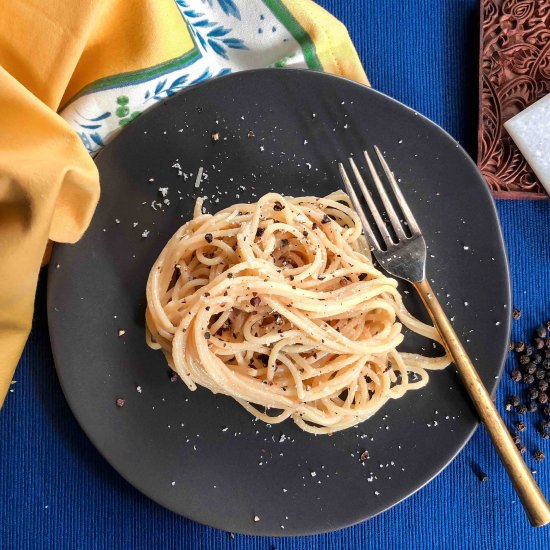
(74,72)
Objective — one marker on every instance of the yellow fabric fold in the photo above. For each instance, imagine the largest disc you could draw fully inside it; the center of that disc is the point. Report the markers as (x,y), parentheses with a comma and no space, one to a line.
(49,185)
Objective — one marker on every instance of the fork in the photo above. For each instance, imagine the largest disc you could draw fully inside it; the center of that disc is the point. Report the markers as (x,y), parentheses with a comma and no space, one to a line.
(405,257)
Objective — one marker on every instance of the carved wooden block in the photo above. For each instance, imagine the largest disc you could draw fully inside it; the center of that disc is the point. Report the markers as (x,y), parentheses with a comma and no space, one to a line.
(514,73)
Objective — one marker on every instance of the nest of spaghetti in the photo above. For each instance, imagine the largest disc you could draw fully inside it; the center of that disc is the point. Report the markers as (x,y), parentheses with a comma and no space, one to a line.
(278,305)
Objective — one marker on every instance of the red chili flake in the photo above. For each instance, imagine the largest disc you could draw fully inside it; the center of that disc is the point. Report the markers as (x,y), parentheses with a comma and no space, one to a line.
(120,402)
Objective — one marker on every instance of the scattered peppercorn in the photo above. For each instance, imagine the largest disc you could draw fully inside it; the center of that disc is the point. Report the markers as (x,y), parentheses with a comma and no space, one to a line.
(541,332)
(482,477)
(521,448)
(543,398)
(543,430)
(120,402)
(538,455)
(516,375)
(524,359)
(530,368)
(277,206)
(540,374)
(207,335)
(250,134)
(520,347)
(521,426)
(208,237)
(255,301)
(543,385)
(532,393)
(522,409)
(536,359)
(314,226)
(215,136)
(325,219)
(284,242)
(528,379)
(539,343)
(529,350)
(514,400)
(516,314)
(533,407)
(364,456)
(362,276)
(546,411)
(174,377)
(516,439)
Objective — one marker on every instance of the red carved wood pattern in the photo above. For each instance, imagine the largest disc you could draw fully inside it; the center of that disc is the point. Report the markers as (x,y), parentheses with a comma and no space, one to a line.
(514,73)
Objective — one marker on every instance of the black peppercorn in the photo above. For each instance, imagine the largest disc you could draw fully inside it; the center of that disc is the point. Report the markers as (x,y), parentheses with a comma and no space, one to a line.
(520,347)
(543,398)
(547,376)
(516,313)
(325,219)
(208,237)
(546,364)
(255,301)
(521,426)
(260,231)
(522,409)
(516,439)
(521,448)
(540,374)
(546,411)
(543,385)
(530,368)
(536,359)
(514,400)
(533,393)
(541,332)
(277,206)
(539,343)
(528,379)
(516,376)
(538,455)
(543,431)
(547,343)
(533,407)
(529,350)
(524,359)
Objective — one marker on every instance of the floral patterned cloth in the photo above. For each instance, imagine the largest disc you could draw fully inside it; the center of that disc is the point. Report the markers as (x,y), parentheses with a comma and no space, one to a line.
(227,35)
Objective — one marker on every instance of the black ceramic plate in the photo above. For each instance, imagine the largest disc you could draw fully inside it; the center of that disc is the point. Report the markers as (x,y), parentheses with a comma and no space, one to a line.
(201,455)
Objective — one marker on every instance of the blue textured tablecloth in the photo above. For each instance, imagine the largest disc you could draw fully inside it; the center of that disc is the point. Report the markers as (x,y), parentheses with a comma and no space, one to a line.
(56,491)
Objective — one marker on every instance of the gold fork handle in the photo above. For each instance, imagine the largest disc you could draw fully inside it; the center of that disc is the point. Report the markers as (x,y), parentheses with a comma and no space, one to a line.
(536,506)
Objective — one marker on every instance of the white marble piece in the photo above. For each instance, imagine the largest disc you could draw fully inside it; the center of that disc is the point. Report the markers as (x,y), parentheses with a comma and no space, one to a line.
(530,131)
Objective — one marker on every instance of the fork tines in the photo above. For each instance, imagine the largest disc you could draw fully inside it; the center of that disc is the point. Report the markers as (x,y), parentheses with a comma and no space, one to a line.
(390,210)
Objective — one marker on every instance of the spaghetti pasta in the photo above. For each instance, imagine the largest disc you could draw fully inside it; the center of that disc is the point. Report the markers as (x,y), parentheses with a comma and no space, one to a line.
(278,305)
